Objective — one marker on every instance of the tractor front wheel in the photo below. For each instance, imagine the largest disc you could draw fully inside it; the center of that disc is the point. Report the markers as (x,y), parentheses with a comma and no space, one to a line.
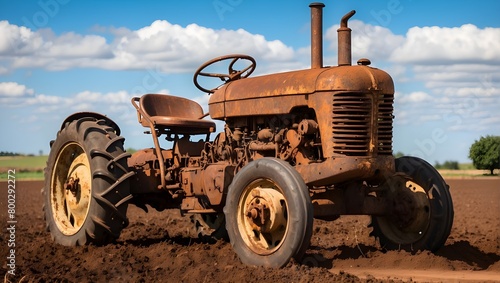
(269,215)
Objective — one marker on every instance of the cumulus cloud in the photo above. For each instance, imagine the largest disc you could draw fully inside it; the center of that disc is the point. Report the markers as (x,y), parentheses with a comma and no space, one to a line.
(173,47)
(71,45)
(82,101)
(438,45)
(414,97)
(13,89)
(44,100)
(183,49)
(458,75)
(16,40)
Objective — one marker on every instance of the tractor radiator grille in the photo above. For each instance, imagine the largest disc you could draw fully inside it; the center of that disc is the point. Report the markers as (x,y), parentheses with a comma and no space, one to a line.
(362,124)
(384,121)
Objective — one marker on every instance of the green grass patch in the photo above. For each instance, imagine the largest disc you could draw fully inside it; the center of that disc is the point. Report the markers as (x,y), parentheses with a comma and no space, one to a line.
(466,166)
(26,167)
(24,176)
(23,162)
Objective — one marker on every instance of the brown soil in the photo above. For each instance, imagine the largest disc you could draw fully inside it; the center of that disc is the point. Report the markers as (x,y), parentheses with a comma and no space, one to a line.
(159,246)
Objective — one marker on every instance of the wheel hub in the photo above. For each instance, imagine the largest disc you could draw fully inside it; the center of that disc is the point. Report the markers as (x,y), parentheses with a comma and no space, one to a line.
(403,209)
(410,212)
(265,211)
(417,207)
(263,217)
(72,185)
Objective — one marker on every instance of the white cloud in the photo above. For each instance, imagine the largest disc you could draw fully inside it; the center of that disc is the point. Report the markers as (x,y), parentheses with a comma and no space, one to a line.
(13,89)
(116,103)
(172,47)
(43,100)
(71,45)
(472,91)
(203,101)
(414,97)
(431,117)
(400,116)
(16,40)
(458,75)
(438,45)
(490,121)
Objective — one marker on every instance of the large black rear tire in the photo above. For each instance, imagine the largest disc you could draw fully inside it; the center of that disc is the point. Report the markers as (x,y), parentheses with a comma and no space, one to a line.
(432,219)
(86,189)
(269,214)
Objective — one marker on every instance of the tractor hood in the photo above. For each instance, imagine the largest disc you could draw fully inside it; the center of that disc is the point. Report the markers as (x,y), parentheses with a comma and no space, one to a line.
(257,96)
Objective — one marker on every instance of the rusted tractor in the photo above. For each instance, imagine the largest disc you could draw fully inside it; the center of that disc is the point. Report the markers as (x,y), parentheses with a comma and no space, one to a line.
(314,143)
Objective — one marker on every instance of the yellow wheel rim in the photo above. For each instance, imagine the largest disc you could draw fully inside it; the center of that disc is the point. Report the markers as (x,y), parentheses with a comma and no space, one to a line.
(263,216)
(71,189)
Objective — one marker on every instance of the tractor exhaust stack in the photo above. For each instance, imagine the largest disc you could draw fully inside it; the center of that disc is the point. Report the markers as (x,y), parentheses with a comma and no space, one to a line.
(344,41)
(316,35)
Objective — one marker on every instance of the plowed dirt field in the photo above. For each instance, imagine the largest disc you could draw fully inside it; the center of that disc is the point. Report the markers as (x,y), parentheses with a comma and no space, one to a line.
(162,247)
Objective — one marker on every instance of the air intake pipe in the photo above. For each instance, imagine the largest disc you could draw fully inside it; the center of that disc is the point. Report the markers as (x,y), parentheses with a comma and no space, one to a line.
(344,41)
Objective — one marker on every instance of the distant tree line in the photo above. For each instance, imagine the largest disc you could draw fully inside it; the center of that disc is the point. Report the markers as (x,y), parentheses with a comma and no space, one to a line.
(9,153)
(448,164)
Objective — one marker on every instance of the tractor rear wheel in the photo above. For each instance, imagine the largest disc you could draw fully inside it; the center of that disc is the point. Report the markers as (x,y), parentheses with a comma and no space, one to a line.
(422,210)
(269,214)
(86,189)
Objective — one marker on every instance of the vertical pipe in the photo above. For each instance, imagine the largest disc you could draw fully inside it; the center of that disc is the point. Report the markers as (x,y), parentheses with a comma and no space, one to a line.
(344,41)
(316,35)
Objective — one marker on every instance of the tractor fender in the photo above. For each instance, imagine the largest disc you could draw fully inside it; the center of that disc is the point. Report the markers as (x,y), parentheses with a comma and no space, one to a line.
(98,116)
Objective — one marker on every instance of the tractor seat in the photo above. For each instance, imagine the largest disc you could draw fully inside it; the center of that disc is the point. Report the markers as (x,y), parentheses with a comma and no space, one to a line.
(172,114)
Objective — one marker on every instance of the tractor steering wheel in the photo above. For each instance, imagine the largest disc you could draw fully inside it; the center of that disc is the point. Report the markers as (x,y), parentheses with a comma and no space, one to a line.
(232,73)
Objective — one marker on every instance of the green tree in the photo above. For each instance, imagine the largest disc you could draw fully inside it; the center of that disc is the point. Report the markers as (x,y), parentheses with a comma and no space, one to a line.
(485,153)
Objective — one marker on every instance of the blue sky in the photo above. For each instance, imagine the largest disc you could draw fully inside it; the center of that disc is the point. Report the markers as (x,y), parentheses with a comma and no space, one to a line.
(62,56)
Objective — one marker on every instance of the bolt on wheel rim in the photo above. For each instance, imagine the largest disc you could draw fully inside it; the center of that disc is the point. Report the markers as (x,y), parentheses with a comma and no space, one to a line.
(71,188)
(262,216)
